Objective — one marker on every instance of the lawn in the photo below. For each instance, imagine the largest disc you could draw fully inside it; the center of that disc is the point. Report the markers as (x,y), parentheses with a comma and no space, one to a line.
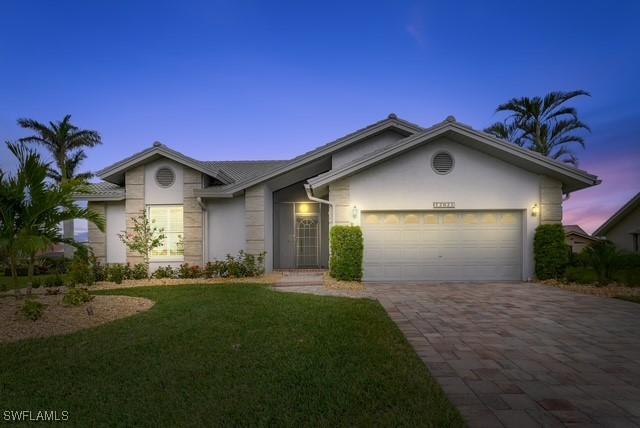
(230,355)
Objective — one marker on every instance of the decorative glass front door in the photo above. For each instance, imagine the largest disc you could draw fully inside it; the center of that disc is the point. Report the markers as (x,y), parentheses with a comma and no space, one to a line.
(307,240)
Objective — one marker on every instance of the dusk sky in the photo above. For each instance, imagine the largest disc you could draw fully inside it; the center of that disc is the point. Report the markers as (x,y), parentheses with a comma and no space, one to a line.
(271,80)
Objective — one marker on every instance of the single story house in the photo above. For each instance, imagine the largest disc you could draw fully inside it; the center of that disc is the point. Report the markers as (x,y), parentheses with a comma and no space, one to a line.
(444,203)
(623,227)
(577,238)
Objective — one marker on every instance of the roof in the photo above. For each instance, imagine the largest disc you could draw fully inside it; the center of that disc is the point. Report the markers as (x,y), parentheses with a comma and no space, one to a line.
(574,229)
(102,191)
(572,178)
(241,171)
(392,122)
(115,173)
(632,204)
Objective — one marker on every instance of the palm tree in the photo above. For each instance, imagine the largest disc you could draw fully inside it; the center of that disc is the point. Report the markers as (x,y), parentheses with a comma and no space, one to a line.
(544,125)
(65,142)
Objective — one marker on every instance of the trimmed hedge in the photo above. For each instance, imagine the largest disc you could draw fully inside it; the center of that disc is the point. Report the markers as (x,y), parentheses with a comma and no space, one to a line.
(347,248)
(550,251)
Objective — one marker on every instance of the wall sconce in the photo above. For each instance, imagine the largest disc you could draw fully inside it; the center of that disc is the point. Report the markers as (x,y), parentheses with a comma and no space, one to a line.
(535,210)
(354,212)
(303,208)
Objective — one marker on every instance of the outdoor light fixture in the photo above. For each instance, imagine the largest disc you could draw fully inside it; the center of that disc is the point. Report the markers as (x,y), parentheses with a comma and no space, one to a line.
(304,208)
(535,210)
(354,212)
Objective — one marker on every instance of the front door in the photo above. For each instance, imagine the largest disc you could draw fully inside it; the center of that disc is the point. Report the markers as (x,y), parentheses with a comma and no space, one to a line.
(299,235)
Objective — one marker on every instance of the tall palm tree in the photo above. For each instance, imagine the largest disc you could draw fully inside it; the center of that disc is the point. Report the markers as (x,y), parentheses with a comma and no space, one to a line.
(65,142)
(542,124)
(34,208)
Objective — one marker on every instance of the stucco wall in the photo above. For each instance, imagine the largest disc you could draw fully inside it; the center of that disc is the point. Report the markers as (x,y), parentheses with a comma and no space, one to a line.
(478,181)
(366,146)
(620,233)
(157,195)
(226,223)
(97,239)
(116,224)
(134,203)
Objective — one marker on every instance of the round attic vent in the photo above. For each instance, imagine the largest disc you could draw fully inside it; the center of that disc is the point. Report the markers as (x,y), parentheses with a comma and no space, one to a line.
(442,163)
(165,177)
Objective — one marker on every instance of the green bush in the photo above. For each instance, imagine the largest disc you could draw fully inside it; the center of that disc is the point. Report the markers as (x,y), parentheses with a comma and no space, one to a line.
(580,275)
(139,271)
(81,269)
(187,271)
(76,296)
(346,253)
(36,282)
(164,272)
(54,281)
(32,309)
(99,271)
(116,273)
(550,251)
(604,258)
(629,276)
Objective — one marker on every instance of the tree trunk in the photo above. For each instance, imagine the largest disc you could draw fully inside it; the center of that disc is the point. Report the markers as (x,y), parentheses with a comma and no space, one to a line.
(32,262)
(14,273)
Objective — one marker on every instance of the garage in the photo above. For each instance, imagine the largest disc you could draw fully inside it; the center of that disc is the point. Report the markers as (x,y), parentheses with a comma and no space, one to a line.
(442,245)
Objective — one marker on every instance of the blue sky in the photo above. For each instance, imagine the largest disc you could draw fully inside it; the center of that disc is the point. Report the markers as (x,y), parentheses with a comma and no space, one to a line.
(256,80)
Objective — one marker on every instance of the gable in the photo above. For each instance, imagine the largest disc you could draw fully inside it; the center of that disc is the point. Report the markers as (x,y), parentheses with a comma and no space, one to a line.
(366,146)
(572,179)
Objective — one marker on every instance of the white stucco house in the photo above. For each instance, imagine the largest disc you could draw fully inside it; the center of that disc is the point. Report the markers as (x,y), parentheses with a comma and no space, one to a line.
(444,203)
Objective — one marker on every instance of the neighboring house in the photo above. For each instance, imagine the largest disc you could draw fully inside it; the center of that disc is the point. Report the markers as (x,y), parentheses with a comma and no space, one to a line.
(577,238)
(623,227)
(441,203)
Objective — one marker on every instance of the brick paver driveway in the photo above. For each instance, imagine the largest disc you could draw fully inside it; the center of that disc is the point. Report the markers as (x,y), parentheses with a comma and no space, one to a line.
(524,355)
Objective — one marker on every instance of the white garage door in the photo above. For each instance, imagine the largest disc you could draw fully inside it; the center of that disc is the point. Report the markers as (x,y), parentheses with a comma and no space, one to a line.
(442,246)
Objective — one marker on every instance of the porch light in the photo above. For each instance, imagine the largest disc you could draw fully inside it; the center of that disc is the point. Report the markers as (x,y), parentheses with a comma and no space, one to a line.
(354,212)
(304,208)
(535,210)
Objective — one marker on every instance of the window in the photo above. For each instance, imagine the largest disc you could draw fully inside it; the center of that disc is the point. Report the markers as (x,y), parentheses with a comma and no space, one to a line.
(169,219)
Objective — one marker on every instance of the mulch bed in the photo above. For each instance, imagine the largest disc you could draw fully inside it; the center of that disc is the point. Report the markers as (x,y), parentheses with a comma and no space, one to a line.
(611,290)
(334,284)
(59,319)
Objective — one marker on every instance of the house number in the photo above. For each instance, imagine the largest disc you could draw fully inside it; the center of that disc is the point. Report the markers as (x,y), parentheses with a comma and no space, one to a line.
(444,205)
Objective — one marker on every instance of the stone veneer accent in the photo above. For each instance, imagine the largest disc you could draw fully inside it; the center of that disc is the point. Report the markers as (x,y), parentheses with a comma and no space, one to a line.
(254,204)
(339,196)
(97,239)
(134,204)
(193,218)
(550,201)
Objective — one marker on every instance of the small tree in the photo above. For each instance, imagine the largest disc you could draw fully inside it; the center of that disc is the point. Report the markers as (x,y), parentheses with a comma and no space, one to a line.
(144,238)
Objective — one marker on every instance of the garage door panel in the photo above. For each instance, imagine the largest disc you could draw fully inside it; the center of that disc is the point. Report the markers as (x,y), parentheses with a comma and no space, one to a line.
(443,246)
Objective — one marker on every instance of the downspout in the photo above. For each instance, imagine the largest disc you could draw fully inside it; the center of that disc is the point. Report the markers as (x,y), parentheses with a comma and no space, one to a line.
(205,231)
(307,188)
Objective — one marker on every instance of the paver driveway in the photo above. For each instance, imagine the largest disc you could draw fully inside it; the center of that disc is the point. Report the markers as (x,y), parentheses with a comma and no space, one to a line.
(522,354)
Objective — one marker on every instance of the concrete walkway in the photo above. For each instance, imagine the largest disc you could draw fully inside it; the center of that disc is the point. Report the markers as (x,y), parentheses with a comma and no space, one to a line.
(520,355)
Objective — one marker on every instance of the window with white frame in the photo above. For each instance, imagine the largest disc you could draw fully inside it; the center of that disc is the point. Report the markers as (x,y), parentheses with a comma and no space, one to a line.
(168,218)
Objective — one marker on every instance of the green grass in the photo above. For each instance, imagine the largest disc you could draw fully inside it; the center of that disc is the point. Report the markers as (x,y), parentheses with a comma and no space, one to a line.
(232,355)
(634,299)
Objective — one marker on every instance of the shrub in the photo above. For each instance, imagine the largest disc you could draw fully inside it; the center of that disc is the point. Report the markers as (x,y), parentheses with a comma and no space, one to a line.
(76,296)
(214,269)
(99,271)
(346,253)
(81,269)
(36,282)
(139,271)
(164,272)
(54,281)
(32,309)
(604,258)
(580,275)
(628,260)
(116,273)
(187,271)
(550,251)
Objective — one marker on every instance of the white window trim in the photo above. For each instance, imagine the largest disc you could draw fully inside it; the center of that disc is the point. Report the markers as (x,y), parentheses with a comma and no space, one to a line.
(172,258)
